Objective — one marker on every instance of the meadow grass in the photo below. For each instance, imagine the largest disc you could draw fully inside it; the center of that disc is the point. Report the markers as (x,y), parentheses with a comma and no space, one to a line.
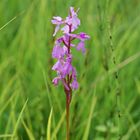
(107,104)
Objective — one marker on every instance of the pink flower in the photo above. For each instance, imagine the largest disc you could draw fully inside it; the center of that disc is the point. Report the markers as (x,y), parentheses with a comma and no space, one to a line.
(82,37)
(81,46)
(57,52)
(72,20)
(56,80)
(74,85)
(58,21)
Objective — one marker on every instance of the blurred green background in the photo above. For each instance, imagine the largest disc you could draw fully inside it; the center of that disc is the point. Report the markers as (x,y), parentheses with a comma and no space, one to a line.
(107,104)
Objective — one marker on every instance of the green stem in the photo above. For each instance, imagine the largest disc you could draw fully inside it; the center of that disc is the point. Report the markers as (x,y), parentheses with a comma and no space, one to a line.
(67,118)
(68,100)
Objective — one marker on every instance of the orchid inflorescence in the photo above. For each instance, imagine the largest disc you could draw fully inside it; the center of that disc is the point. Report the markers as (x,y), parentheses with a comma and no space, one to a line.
(62,49)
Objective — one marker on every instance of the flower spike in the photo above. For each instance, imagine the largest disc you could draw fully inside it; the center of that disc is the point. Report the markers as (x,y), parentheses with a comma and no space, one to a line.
(62,50)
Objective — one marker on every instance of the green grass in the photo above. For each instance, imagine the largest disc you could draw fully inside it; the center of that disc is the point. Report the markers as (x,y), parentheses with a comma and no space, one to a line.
(107,104)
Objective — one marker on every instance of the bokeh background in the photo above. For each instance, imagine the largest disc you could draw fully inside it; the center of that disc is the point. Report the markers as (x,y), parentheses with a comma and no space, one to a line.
(107,104)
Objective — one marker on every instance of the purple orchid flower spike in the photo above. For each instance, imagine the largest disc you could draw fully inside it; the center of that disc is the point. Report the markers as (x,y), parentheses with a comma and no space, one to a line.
(62,51)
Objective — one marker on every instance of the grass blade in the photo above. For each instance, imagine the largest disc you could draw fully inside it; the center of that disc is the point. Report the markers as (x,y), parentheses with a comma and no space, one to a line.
(49,126)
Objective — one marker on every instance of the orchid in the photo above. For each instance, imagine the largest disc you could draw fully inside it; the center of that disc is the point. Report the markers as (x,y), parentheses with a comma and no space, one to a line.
(62,51)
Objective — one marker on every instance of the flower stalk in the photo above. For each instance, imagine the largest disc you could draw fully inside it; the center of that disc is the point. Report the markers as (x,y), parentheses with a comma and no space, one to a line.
(68,100)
